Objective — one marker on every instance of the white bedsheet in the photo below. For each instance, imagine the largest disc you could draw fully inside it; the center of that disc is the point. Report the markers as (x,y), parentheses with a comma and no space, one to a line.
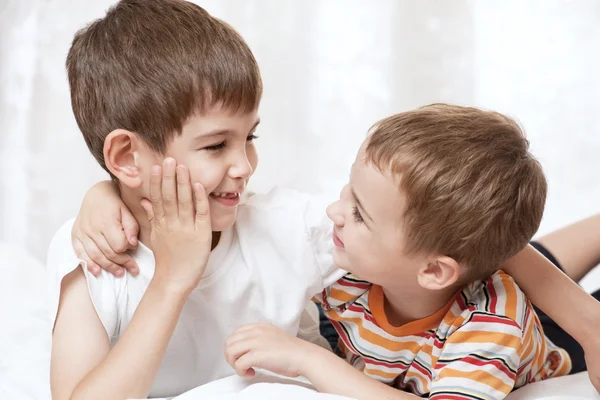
(25,350)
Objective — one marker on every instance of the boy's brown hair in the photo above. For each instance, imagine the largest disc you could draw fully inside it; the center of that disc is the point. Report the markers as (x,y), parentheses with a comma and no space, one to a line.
(149,65)
(474,191)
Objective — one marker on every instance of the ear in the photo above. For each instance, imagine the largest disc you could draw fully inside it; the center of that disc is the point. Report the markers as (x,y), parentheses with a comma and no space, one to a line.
(121,157)
(439,273)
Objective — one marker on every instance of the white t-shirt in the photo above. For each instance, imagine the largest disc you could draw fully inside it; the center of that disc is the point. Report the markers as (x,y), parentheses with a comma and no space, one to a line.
(266,268)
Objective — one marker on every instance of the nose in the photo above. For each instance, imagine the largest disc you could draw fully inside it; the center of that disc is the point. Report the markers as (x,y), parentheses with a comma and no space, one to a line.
(335,213)
(240,166)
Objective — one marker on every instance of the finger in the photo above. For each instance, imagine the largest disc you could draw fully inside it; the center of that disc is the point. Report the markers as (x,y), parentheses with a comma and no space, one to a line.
(147,206)
(169,189)
(184,194)
(130,226)
(235,351)
(122,260)
(82,255)
(238,337)
(244,365)
(158,211)
(116,239)
(202,208)
(93,252)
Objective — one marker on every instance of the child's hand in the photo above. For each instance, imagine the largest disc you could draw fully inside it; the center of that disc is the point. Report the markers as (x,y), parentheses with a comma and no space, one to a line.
(267,347)
(104,230)
(181,234)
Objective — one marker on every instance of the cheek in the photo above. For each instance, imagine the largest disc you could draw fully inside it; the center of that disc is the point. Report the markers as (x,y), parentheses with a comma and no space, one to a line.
(252,155)
(208,172)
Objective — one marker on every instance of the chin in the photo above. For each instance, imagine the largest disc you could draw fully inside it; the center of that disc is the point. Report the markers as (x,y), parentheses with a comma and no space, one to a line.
(341,260)
(222,222)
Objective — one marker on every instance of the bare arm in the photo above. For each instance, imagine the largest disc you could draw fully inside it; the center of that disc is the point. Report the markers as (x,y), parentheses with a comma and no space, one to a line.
(576,246)
(84,367)
(268,347)
(541,281)
(574,310)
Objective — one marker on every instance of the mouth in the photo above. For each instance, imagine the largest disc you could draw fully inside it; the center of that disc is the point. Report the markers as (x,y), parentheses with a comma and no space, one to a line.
(228,199)
(337,241)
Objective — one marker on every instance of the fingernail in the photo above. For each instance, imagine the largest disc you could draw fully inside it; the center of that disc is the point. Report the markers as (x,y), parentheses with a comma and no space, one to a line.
(95,271)
(133,240)
(169,162)
(119,272)
(155,170)
(135,271)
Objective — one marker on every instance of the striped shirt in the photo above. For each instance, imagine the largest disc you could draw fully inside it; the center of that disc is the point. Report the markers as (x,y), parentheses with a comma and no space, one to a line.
(484,343)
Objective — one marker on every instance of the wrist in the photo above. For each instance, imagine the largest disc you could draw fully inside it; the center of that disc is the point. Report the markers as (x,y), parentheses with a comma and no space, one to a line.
(310,355)
(170,289)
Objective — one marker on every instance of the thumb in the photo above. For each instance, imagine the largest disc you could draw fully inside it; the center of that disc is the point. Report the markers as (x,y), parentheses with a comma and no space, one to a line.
(147,206)
(130,225)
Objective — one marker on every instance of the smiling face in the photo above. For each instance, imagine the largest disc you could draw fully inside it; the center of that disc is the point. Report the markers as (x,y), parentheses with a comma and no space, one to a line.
(369,232)
(218,148)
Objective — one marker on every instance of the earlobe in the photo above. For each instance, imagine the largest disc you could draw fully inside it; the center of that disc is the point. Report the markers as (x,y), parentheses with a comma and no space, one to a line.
(439,274)
(121,148)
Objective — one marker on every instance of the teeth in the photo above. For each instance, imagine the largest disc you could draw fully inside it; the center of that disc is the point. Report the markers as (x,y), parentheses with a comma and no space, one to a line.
(224,195)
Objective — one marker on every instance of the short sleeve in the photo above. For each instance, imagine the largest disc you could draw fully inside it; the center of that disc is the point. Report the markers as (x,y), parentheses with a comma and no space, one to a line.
(103,289)
(479,360)
(336,298)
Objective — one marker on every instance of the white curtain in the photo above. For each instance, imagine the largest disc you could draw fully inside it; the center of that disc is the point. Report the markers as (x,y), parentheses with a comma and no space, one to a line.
(331,69)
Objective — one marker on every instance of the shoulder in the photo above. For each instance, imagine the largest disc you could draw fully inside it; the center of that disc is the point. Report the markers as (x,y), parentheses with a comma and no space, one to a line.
(493,306)
(103,290)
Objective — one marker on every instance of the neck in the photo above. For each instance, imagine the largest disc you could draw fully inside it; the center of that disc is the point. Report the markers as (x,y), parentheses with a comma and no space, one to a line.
(404,305)
(133,202)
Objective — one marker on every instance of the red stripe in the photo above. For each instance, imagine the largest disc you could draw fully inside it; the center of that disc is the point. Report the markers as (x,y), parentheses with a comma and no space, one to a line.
(446,396)
(494,319)
(344,282)
(497,364)
(493,296)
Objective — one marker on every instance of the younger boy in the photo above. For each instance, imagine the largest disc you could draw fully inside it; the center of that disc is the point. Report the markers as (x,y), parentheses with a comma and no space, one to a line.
(438,199)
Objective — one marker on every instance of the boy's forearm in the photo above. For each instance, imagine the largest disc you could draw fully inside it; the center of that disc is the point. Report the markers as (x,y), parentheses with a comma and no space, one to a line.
(555,293)
(129,369)
(330,374)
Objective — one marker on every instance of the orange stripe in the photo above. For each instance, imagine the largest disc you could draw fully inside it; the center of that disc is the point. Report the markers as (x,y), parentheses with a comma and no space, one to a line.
(381,374)
(373,338)
(341,295)
(485,337)
(510,309)
(478,376)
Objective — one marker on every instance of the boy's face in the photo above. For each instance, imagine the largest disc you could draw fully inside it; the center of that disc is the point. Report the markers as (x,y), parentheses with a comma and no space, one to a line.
(368,228)
(218,149)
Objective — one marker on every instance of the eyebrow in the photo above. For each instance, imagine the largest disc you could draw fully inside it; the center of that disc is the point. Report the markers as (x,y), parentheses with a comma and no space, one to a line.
(359,204)
(221,132)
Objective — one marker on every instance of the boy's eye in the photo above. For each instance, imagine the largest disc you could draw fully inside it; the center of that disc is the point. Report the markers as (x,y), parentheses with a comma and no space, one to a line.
(357,217)
(215,147)
(251,138)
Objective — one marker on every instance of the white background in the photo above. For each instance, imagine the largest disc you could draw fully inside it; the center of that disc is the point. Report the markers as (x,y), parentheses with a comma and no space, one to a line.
(331,69)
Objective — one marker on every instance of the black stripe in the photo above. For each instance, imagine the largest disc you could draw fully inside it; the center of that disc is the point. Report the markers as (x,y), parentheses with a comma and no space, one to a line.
(361,354)
(475,355)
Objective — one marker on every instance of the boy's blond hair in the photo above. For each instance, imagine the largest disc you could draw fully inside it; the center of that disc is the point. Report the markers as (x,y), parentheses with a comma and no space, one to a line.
(149,65)
(474,191)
